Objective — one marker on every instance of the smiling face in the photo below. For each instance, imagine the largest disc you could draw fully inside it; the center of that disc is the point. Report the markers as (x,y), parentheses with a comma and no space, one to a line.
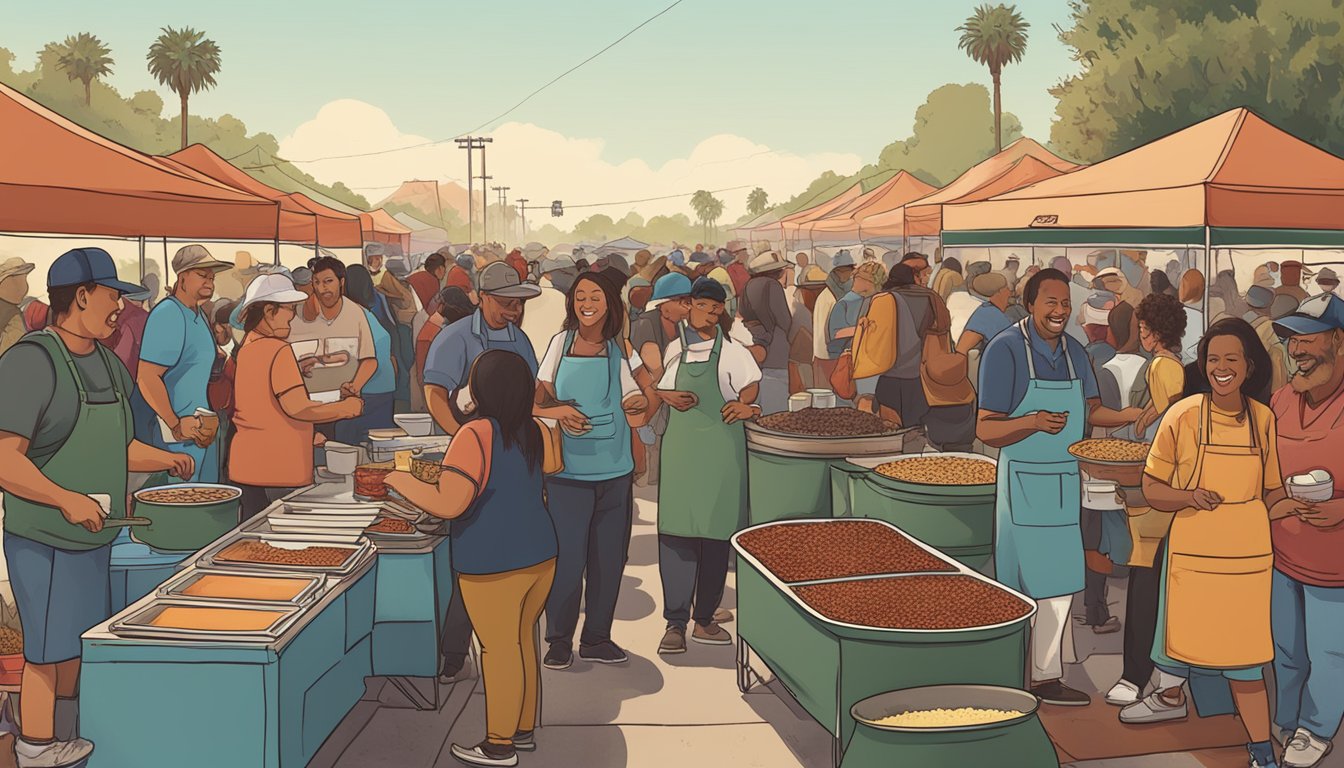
(590,304)
(1317,356)
(705,314)
(1051,309)
(1226,365)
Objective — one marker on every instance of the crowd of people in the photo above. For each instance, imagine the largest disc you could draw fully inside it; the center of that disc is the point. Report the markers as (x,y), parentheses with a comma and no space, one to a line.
(566,378)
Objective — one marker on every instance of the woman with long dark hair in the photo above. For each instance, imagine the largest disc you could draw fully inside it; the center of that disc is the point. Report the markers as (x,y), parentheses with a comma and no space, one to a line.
(1214,464)
(381,391)
(503,544)
(585,382)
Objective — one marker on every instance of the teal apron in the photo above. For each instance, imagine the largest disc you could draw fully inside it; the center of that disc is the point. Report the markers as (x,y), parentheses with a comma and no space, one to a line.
(91,460)
(702,488)
(594,384)
(1038,539)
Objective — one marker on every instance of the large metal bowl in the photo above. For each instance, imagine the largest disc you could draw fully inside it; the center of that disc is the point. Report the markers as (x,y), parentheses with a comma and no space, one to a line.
(823,446)
(177,527)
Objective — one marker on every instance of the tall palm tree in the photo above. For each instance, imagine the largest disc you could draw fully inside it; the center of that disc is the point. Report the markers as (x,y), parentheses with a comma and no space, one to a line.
(995,36)
(757,202)
(85,58)
(186,62)
(714,210)
(702,203)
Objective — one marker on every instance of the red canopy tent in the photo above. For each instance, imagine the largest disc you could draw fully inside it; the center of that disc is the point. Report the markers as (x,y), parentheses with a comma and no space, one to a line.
(380,227)
(57,177)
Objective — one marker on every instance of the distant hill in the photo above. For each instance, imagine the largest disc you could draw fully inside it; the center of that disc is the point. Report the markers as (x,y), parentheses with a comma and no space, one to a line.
(446,202)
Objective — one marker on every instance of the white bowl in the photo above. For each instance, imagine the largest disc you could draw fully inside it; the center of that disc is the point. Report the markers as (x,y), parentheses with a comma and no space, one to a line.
(341,459)
(415,424)
(1316,492)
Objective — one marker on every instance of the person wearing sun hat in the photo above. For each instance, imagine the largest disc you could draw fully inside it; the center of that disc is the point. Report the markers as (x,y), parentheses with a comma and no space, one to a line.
(66,434)
(766,313)
(271,452)
(13,287)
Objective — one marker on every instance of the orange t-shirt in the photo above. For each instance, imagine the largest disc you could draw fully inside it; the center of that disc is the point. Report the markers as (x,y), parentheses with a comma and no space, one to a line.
(422,345)
(270,448)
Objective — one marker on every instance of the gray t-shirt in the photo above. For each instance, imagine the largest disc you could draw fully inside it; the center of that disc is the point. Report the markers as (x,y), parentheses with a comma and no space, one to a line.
(766,310)
(31,408)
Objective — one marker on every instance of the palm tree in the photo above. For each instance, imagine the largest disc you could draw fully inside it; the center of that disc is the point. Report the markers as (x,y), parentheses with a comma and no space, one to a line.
(714,211)
(757,202)
(702,202)
(85,58)
(185,62)
(995,36)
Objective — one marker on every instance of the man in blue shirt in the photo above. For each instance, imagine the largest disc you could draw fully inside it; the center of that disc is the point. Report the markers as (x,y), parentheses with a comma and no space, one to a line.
(989,318)
(1038,396)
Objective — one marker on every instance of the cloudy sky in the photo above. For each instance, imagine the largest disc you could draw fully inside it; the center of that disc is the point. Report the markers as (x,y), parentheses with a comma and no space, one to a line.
(713,94)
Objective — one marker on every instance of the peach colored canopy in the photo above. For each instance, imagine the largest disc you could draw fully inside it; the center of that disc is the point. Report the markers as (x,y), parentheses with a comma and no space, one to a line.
(1020,163)
(842,225)
(788,225)
(58,177)
(380,227)
(1234,170)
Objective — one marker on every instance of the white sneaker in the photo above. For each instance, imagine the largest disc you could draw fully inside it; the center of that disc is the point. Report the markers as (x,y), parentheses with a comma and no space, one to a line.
(1304,750)
(1152,709)
(1122,694)
(58,754)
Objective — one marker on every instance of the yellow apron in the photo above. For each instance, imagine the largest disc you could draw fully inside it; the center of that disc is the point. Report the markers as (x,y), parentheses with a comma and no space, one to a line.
(1147,528)
(1219,566)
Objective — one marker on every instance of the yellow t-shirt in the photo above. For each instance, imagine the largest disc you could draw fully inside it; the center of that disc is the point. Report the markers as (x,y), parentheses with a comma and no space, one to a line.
(1166,381)
(1175,446)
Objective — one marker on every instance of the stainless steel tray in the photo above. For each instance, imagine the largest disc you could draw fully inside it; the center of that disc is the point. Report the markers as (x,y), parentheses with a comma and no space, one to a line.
(763,440)
(360,553)
(137,624)
(173,588)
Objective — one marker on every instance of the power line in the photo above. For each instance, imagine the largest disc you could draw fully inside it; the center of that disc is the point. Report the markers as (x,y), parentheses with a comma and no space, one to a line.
(501,115)
(650,199)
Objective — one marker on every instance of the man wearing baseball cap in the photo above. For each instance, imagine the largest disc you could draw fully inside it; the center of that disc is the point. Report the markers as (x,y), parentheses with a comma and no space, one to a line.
(176,357)
(66,435)
(1308,597)
(650,335)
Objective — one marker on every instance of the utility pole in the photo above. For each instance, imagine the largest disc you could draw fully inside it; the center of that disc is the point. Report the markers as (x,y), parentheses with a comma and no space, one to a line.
(485,204)
(468,143)
(503,193)
(522,212)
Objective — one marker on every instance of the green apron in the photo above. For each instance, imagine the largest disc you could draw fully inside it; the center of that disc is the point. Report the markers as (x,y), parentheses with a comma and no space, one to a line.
(91,460)
(702,488)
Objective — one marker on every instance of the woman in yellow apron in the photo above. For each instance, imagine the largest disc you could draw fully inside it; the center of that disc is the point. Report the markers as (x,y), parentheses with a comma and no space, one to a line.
(1215,465)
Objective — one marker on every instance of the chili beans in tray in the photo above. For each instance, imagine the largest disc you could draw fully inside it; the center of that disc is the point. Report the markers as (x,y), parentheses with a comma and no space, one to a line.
(806,551)
(827,422)
(914,602)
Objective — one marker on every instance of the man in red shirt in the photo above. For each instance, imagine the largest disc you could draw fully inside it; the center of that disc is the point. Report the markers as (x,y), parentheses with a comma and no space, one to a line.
(515,259)
(1308,598)
(460,274)
(737,271)
(428,280)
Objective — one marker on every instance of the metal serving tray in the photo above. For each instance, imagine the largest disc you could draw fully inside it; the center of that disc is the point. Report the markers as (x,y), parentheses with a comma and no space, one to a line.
(137,624)
(173,589)
(359,553)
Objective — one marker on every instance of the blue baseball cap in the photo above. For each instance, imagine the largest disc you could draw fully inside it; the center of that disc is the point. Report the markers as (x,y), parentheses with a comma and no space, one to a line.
(677,258)
(842,259)
(673,285)
(709,288)
(1316,315)
(88,265)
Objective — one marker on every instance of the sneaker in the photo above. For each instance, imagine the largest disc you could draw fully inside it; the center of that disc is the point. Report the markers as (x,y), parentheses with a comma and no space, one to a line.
(559,656)
(712,634)
(1304,750)
(605,652)
(1059,694)
(58,754)
(1122,694)
(486,753)
(674,641)
(1111,626)
(722,616)
(525,741)
(1153,709)
(450,674)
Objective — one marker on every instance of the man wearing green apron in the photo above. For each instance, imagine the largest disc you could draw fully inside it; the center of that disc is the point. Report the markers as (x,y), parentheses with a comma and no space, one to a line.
(710,383)
(66,434)
(1038,396)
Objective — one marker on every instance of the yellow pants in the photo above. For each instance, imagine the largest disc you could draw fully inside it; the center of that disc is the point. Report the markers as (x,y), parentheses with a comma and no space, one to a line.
(505,608)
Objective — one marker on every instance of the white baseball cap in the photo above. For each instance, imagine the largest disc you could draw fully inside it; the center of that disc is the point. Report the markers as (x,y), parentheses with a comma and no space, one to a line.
(273,288)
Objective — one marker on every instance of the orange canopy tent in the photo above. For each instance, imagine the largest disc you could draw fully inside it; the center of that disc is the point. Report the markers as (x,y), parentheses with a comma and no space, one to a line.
(783,228)
(302,220)
(380,227)
(1233,180)
(842,225)
(1020,163)
(57,177)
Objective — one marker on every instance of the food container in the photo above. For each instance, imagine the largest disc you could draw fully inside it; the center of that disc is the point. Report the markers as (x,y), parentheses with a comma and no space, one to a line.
(369,480)
(822,398)
(218,557)
(341,458)
(427,468)
(1127,474)
(799,401)
(855,549)
(415,424)
(1020,742)
(386,433)
(282,588)
(202,620)
(1313,487)
(185,525)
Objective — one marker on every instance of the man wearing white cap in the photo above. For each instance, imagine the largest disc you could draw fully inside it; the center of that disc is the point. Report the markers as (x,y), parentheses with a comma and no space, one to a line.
(765,309)
(13,288)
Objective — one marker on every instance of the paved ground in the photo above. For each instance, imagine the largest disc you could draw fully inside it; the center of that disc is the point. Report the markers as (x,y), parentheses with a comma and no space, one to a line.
(687,710)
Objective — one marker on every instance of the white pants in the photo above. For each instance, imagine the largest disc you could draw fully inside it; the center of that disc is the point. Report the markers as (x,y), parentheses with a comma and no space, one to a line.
(1051,639)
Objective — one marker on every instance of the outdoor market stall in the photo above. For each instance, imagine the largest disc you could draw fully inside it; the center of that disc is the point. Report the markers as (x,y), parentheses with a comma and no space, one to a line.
(780,230)
(842,225)
(378,226)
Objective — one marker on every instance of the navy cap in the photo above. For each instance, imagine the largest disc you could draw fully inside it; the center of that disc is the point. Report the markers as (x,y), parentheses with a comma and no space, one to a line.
(88,265)
(1316,315)
(709,288)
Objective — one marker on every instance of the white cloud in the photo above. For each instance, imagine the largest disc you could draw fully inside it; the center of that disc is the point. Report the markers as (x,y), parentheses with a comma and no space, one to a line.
(543,165)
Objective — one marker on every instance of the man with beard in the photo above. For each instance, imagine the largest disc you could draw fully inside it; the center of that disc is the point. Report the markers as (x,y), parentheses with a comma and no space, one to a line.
(65,436)
(177,355)
(331,336)
(1308,598)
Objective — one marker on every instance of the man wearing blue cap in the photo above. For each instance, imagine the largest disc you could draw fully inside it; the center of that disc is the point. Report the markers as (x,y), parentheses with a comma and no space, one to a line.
(66,436)
(650,334)
(1307,606)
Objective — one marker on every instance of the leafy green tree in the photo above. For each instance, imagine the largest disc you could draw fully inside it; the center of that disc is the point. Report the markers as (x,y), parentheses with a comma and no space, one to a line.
(995,36)
(185,61)
(85,58)
(598,227)
(1150,69)
(757,202)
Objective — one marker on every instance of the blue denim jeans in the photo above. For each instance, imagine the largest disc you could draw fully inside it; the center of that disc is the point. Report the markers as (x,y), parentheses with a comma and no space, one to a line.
(1308,656)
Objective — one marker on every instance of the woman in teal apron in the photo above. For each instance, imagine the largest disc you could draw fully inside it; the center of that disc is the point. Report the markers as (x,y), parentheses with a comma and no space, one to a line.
(592,499)
(710,384)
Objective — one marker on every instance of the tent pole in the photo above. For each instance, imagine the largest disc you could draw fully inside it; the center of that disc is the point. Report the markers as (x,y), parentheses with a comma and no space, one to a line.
(165,263)
(1208,274)
(142,259)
